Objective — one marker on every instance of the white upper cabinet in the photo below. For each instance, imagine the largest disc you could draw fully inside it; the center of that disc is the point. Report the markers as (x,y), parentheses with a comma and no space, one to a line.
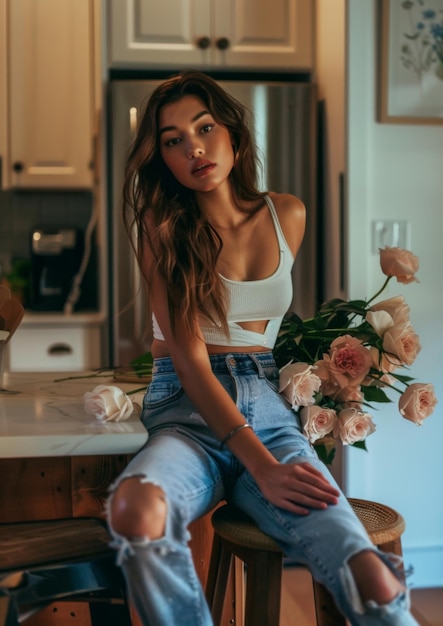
(50,109)
(240,34)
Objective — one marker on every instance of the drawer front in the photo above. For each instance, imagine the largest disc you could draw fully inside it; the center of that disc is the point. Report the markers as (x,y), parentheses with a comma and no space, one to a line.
(54,349)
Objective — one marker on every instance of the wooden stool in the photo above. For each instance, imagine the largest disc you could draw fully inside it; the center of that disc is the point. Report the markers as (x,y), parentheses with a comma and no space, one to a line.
(67,559)
(235,534)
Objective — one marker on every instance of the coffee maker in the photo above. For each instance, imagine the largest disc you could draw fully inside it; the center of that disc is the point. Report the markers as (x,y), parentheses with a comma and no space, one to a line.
(56,255)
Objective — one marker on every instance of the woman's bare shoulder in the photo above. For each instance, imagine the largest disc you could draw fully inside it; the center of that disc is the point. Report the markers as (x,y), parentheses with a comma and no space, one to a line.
(286,203)
(292,217)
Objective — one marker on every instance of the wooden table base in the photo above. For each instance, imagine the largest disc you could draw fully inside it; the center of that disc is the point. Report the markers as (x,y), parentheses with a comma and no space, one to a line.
(51,488)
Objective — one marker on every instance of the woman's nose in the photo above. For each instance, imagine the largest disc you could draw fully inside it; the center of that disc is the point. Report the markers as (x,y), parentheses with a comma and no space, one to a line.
(194,149)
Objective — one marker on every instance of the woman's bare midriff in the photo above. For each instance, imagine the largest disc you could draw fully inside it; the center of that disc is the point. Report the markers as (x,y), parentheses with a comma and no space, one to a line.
(159,349)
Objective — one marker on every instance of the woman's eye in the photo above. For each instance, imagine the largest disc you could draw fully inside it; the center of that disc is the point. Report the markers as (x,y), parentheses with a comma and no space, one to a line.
(207,128)
(171,142)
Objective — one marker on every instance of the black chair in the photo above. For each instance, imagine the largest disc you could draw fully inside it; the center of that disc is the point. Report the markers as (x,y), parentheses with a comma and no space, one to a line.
(57,560)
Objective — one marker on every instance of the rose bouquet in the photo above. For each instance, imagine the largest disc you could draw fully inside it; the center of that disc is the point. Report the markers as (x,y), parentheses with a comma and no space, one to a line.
(351,354)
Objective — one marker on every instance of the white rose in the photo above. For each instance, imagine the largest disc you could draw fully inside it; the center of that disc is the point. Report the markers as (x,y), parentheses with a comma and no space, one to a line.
(317,421)
(298,384)
(353,425)
(108,404)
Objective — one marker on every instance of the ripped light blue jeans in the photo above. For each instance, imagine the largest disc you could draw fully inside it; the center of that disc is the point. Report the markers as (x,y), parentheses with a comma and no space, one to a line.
(183,457)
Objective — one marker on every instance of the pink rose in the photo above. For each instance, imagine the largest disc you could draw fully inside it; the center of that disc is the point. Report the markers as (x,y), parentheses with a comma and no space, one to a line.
(399,263)
(350,360)
(353,425)
(298,384)
(108,404)
(385,363)
(402,342)
(417,402)
(349,397)
(329,385)
(317,421)
(396,307)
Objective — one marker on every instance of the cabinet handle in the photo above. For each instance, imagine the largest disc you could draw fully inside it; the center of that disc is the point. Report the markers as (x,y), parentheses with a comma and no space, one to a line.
(223,43)
(18,166)
(59,349)
(203,43)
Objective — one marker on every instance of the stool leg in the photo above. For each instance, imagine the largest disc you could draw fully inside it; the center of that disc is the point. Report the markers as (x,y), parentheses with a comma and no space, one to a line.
(326,611)
(220,566)
(263,588)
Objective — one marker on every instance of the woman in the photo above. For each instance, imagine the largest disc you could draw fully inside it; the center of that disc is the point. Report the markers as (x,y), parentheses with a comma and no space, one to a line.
(217,257)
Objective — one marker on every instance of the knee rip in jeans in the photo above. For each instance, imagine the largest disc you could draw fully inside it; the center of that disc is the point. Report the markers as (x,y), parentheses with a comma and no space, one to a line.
(124,545)
(398,603)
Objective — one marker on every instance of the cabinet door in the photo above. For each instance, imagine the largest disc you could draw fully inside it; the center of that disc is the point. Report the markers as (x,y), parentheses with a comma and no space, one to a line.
(165,33)
(265,34)
(51,93)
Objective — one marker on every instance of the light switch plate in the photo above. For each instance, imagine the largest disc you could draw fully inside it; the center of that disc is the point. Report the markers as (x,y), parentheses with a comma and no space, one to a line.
(391,233)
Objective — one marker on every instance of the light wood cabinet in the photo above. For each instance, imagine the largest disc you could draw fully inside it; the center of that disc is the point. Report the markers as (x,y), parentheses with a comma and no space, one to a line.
(230,34)
(48,120)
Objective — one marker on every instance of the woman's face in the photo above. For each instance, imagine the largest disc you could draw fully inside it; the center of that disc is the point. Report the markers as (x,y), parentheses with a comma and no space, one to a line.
(196,149)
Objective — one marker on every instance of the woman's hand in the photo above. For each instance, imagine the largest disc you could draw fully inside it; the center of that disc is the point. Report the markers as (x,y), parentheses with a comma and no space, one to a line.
(296,487)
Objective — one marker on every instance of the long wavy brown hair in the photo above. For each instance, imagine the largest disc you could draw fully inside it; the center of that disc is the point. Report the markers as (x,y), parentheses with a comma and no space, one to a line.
(185,245)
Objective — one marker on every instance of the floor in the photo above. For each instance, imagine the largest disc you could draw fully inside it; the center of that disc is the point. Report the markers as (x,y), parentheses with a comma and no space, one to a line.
(427,604)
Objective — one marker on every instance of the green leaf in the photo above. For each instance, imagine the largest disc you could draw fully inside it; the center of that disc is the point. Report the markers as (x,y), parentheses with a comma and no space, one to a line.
(324,455)
(402,378)
(143,364)
(360,444)
(375,394)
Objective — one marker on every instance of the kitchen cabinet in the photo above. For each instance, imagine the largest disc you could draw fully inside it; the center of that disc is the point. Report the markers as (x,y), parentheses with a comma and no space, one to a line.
(47,119)
(233,34)
(51,342)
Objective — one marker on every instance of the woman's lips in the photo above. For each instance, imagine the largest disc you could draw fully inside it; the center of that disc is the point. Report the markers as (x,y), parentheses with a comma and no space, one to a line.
(203,167)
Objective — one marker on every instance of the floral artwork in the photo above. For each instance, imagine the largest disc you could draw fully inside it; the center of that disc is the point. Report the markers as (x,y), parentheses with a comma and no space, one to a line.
(422,50)
(411,61)
(351,354)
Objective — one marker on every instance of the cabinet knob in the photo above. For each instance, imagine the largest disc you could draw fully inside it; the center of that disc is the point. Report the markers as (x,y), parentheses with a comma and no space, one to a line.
(222,43)
(18,167)
(203,43)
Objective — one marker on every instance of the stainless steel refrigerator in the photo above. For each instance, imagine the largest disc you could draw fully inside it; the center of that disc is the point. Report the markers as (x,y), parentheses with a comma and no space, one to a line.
(285,122)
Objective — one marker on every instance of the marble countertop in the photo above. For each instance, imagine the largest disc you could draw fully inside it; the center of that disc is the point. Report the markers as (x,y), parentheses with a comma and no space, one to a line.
(40,418)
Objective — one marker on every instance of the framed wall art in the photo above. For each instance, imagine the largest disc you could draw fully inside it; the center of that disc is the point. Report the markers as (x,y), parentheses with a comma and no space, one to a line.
(410,63)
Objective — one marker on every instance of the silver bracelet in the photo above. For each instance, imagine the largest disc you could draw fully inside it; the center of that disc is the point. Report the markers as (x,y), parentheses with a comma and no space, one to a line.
(233,432)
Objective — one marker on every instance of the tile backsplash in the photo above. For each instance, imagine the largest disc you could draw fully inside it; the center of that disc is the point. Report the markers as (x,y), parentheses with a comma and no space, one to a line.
(22,211)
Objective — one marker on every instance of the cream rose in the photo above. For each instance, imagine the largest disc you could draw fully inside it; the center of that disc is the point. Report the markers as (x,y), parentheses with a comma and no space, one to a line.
(350,360)
(108,404)
(402,341)
(298,384)
(329,386)
(317,421)
(399,263)
(350,397)
(353,425)
(417,402)
(396,307)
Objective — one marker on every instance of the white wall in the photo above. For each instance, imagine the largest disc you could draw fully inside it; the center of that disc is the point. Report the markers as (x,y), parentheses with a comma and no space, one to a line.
(396,172)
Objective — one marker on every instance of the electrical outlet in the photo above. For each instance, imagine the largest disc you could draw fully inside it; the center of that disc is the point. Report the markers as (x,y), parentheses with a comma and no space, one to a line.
(391,233)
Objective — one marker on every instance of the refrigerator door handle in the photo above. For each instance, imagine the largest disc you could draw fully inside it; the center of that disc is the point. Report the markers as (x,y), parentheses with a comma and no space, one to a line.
(136,284)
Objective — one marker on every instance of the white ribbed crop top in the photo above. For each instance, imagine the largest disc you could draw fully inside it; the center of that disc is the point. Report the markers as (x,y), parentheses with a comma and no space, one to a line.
(253,300)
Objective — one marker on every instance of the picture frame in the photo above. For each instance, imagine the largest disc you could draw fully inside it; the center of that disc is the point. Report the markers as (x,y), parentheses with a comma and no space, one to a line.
(410,62)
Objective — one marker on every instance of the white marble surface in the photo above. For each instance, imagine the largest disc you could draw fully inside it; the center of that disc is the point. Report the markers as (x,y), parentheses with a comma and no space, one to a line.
(40,417)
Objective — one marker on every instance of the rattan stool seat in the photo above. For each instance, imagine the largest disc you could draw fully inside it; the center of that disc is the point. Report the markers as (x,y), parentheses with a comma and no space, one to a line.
(235,534)
(382,523)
